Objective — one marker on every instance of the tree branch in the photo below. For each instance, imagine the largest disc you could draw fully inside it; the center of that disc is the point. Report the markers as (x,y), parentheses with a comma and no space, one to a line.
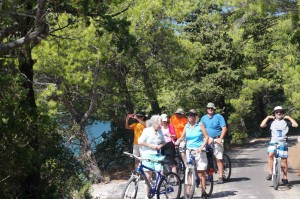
(41,28)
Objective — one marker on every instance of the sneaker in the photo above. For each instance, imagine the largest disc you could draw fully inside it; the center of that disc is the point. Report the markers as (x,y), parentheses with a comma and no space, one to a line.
(285,182)
(220,181)
(204,195)
(269,177)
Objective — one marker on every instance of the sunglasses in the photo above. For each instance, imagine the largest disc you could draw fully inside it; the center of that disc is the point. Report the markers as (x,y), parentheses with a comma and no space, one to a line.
(276,112)
(210,108)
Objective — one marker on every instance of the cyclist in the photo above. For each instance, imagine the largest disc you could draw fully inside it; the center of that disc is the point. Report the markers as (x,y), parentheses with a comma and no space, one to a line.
(216,128)
(137,127)
(178,120)
(151,141)
(279,125)
(196,138)
(168,149)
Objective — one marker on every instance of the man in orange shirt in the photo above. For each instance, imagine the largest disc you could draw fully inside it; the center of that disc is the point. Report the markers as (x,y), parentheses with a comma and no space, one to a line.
(178,120)
(137,127)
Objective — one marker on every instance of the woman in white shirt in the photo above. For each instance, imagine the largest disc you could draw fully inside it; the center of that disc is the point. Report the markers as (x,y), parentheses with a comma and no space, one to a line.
(151,141)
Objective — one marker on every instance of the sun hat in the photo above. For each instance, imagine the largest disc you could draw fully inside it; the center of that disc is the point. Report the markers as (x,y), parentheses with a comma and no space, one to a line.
(211,105)
(179,111)
(192,112)
(278,108)
(164,117)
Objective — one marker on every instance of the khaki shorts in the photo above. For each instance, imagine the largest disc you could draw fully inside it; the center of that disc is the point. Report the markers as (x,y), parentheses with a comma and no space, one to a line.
(219,150)
(200,158)
(136,150)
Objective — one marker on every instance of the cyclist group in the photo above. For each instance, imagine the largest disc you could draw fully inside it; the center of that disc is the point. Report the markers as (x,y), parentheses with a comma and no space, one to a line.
(158,137)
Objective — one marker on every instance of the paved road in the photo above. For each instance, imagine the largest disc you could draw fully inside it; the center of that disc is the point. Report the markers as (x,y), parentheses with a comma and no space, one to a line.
(249,170)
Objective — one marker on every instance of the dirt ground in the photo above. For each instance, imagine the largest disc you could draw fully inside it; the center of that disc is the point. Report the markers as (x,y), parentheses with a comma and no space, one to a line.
(294,160)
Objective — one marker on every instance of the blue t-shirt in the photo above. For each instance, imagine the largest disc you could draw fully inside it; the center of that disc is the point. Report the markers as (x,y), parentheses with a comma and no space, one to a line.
(214,124)
(194,137)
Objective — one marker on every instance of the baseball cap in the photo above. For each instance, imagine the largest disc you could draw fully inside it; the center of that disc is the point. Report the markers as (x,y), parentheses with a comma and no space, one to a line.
(164,117)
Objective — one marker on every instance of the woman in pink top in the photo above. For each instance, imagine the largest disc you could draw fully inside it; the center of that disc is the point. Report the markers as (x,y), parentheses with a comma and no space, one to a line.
(168,149)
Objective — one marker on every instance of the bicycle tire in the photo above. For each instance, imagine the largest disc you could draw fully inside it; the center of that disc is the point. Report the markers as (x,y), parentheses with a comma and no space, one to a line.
(180,168)
(190,181)
(169,186)
(226,167)
(209,184)
(131,188)
(276,175)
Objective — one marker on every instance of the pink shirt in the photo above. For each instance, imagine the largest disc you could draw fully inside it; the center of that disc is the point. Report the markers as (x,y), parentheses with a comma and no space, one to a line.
(167,132)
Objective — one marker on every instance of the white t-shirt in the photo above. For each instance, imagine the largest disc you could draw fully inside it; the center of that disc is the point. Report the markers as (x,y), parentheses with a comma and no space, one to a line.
(150,136)
(279,129)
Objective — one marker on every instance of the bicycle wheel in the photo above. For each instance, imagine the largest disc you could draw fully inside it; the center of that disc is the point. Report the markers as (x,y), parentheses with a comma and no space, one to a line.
(276,175)
(190,183)
(169,186)
(209,184)
(180,168)
(226,167)
(131,188)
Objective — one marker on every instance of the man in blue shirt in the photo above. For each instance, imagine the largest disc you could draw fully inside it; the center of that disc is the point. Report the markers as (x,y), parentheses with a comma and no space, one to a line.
(216,128)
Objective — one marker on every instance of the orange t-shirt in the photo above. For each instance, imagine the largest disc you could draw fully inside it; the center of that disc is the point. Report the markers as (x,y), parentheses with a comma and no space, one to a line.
(137,131)
(178,124)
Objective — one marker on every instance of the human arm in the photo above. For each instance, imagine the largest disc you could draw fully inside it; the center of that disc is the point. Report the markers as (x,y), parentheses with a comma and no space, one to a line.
(263,124)
(152,146)
(181,138)
(205,140)
(126,123)
(294,123)
(139,120)
(223,133)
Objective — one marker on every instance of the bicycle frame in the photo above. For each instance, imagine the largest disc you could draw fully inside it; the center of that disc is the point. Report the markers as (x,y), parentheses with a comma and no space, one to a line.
(159,176)
(140,170)
(276,170)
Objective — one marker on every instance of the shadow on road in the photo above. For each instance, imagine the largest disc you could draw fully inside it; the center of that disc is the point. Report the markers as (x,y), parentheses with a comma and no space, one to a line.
(238,179)
(223,194)
(246,162)
(294,182)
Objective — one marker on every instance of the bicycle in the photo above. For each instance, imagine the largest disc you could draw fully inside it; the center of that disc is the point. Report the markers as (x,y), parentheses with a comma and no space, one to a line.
(180,165)
(212,163)
(166,186)
(276,171)
(192,179)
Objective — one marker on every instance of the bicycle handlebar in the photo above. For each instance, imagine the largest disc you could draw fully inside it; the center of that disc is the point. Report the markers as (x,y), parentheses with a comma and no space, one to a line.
(143,159)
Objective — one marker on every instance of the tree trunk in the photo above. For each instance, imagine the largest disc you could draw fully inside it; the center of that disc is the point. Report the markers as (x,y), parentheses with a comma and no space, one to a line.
(149,87)
(88,158)
(31,186)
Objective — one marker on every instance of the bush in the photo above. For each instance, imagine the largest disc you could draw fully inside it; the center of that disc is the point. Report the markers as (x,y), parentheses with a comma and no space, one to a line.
(239,137)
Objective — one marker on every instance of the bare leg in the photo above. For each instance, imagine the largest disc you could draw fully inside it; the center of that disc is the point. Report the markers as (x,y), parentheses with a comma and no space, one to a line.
(148,175)
(284,166)
(203,180)
(220,167)
(270,162)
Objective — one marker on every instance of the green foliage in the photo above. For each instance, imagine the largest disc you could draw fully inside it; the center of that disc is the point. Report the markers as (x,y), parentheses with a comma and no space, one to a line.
(239,137)
(138,55)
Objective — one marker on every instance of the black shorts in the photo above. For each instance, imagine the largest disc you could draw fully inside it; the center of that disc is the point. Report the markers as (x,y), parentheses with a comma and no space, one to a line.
(168,150)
